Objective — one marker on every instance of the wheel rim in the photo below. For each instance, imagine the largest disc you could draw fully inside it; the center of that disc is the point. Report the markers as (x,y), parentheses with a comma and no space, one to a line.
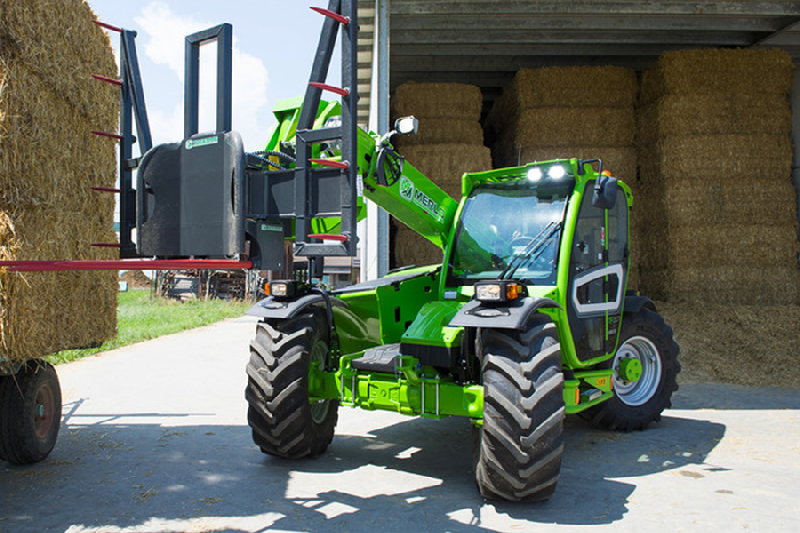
(319,353)
(640,391)
(44,412)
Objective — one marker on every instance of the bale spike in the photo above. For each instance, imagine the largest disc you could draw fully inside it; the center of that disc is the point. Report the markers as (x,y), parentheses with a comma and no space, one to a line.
(108,26)
(107,189)
(341,91)
(112,81)
(106,244)
(341,19)
(106,134)
(344,165)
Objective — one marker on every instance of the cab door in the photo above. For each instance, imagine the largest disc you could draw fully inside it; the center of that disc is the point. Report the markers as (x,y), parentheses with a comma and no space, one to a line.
(597,273)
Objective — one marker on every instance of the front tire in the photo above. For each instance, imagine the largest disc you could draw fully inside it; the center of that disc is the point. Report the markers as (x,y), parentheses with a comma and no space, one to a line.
(646,338)
(517,452)
(283,421)
(30,419)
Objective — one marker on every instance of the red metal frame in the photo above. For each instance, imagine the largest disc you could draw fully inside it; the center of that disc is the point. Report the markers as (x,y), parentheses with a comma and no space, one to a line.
(127,264)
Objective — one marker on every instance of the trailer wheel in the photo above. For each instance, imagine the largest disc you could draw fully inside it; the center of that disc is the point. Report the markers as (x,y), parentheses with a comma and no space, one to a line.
(646,340)
(31,413)
(282,357)
(517,451)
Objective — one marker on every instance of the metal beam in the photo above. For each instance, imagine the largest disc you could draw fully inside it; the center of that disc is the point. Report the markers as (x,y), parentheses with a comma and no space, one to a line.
(588,22)
(586,7)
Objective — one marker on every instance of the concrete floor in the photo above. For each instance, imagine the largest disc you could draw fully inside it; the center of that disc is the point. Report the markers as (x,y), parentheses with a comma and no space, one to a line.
(155,439)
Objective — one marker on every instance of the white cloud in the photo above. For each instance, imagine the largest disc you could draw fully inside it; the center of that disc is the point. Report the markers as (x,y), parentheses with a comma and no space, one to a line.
(165,32)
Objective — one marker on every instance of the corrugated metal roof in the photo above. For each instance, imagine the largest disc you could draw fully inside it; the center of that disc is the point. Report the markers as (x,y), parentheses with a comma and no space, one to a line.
(485,42)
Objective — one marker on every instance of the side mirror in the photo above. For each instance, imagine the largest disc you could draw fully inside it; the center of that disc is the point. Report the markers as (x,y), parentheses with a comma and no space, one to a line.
(406,125)
(605,192)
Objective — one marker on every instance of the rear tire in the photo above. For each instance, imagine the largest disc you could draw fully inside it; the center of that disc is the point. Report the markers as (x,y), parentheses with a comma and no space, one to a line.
(283,421)
(517,452)
(646,337)
(30,419)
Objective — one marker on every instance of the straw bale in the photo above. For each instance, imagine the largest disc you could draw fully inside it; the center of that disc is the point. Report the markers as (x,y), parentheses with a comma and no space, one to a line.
(749,345)
(443,130)
(725,285)
(733,157)
(48,155)
(411,248)
(570,126)
(136,279)
(694,202)
(723,114)
(718,245)
(582,86)
(711,71)
(48,162)
(438,100)
(445,164)
(58,42)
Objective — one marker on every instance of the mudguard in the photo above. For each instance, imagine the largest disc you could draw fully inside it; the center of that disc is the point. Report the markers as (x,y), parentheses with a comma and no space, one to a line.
(284,309)
(635,303)
(476,314)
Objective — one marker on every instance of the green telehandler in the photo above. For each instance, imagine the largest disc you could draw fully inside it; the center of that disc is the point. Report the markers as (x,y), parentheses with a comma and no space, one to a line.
(526,320)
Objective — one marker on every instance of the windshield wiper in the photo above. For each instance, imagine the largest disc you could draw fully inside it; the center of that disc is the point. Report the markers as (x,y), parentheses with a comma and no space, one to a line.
(536,246)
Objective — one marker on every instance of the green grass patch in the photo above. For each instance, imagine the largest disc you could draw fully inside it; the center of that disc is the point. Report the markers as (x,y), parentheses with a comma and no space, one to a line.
(141,317)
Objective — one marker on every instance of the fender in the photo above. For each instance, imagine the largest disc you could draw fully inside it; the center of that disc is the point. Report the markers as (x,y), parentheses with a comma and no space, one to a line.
(476,314)
(269,307)
(635,303)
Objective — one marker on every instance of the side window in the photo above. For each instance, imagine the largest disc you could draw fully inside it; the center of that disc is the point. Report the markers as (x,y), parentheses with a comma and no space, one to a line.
(618,230)
(587,251)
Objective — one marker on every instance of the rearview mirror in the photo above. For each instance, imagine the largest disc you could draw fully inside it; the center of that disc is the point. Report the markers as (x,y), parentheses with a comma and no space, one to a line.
(406,125)
(605,192)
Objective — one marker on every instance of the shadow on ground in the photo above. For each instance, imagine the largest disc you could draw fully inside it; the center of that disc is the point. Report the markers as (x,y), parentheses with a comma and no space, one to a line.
(411,475)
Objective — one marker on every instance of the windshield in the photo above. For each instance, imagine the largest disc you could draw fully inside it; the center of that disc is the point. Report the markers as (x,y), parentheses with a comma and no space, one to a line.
(511,233)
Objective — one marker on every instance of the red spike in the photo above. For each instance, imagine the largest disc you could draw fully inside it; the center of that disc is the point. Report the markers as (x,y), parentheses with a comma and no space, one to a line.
(108,26)
(106,189)
(337,90)
(344,165)
(112,81)
(328,236)
(106,134)
(335,16)
(106,244)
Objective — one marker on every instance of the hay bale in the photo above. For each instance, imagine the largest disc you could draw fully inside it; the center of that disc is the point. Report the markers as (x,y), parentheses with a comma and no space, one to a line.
(411,248)
(715,115)
(749,345)
(59,44)
(724,285)
(720,71)
(695,202)
(48,162)
(445,164)
(582,86)
(733,157)
(720,245)
(570,126)
(443,131)
(438,100)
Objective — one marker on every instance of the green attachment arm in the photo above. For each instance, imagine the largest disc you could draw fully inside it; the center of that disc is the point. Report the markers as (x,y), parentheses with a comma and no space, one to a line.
(407,194)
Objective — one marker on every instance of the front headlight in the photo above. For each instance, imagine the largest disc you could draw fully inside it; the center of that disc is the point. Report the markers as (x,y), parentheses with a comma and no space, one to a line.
(283,289)
(498,291)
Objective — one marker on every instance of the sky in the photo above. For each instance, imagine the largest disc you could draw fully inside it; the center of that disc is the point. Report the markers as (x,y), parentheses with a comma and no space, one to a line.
(274,45)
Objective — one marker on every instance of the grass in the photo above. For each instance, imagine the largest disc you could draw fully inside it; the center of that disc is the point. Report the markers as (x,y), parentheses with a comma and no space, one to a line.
(141,317)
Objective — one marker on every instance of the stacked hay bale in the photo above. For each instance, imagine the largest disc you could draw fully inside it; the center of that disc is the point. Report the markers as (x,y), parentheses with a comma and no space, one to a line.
(448,144)
(716,155)
(721,241)
(49,104)
(565,112)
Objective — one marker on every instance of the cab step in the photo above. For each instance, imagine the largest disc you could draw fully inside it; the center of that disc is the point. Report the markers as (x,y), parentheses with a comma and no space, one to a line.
(384,359)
